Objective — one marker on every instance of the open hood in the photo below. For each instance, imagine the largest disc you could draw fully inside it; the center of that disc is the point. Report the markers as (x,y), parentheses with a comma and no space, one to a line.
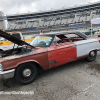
(13,39)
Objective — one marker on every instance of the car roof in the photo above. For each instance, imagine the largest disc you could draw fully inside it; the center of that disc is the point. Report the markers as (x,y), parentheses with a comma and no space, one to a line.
(66,32)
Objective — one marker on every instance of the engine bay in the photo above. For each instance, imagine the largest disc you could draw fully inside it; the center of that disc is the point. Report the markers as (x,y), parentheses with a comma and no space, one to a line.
(14,51)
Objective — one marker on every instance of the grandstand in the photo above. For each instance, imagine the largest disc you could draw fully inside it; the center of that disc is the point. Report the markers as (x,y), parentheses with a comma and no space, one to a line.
(73,18)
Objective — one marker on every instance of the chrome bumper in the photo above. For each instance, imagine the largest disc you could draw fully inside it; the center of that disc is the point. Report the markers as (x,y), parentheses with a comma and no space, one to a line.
(7,74)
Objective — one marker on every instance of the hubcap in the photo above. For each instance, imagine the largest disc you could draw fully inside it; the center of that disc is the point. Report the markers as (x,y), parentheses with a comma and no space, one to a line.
(26,72)
(92,53)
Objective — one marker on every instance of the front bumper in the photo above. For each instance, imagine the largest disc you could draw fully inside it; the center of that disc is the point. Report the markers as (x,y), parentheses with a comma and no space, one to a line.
(7,74)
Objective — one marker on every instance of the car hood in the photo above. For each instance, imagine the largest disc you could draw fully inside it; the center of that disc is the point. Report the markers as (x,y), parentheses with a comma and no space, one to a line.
(13,39)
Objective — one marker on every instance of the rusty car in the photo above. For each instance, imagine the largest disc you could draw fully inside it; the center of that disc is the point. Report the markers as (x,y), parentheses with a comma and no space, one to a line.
(45,51)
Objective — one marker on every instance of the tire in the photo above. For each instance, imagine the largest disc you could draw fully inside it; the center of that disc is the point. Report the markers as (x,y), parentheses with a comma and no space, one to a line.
(92,56)
(26,73)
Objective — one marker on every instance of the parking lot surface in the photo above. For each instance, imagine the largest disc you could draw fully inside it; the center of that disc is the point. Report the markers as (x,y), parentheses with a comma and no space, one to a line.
(79,80)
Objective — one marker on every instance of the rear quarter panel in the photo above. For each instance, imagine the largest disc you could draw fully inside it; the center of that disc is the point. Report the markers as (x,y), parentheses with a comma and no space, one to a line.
(85,46)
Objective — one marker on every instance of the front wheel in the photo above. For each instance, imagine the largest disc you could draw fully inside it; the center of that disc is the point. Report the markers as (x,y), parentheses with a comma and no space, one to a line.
(26,73)
(92,56)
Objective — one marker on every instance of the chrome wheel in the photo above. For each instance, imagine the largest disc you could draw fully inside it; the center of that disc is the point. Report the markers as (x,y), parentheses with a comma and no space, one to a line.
(92,55)
(26,72)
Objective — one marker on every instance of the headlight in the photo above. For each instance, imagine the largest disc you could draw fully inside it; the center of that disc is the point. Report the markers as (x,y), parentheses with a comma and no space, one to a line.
(1,67)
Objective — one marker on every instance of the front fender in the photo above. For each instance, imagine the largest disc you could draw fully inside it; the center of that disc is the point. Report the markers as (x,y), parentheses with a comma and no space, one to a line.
(41,59)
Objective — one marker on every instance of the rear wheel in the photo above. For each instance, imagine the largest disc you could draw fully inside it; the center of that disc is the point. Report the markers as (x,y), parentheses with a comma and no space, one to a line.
(92,56)
(26,73)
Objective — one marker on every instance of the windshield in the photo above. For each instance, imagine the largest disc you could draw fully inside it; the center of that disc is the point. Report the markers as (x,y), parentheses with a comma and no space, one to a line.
(42,41)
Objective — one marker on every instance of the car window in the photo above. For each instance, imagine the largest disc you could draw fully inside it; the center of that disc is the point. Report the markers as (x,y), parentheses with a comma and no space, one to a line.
(67,38)
(17,35)
(72,36)
(42,41)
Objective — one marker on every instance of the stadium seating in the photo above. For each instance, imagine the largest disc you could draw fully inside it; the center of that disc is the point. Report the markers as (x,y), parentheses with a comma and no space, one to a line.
(46,23)
(71,18)
(31,24)
(41,23)
(13,26)
(76,19)
(17,27)
(10,25)
(28,25)
(64,21)
(23,26)
(52,22)
(58,21)
(88,18)
(83,18)
(96,16)
(35,24)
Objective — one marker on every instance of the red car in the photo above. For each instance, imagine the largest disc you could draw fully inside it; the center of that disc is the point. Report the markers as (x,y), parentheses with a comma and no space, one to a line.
(44,52)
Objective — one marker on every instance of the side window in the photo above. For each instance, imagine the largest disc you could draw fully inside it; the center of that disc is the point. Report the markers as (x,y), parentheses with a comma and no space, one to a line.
(17,35)
(74,37)
(66,38)
(60,39)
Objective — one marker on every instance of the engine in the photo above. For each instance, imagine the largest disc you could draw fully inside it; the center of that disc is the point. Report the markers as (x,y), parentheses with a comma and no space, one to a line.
(14,51)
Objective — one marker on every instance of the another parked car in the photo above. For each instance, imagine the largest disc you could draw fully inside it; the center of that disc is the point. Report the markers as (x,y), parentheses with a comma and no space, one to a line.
(44,52)
(5,44)
(88,31)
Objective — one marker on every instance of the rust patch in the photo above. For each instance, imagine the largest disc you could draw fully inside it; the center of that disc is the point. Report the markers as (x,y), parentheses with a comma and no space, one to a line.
(52,62)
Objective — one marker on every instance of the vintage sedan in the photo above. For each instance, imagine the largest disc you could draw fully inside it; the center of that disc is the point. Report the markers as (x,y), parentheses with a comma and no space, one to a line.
(44,52)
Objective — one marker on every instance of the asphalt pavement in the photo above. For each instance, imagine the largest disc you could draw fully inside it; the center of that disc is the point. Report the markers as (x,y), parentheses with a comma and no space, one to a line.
(78,80)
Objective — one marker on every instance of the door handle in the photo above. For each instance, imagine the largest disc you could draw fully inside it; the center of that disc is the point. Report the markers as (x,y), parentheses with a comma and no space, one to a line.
(62,53)
(49,54)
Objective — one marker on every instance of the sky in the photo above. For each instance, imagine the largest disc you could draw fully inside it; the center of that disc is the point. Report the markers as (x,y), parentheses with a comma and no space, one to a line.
(30,6)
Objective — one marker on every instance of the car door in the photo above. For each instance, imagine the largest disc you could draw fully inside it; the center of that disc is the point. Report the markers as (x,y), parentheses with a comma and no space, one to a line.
(61,53)
(70,52)
(55,55)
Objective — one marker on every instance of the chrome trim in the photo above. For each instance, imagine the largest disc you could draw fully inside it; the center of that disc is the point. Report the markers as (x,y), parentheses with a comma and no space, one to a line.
(7,74)
(74,46)
(1,67)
